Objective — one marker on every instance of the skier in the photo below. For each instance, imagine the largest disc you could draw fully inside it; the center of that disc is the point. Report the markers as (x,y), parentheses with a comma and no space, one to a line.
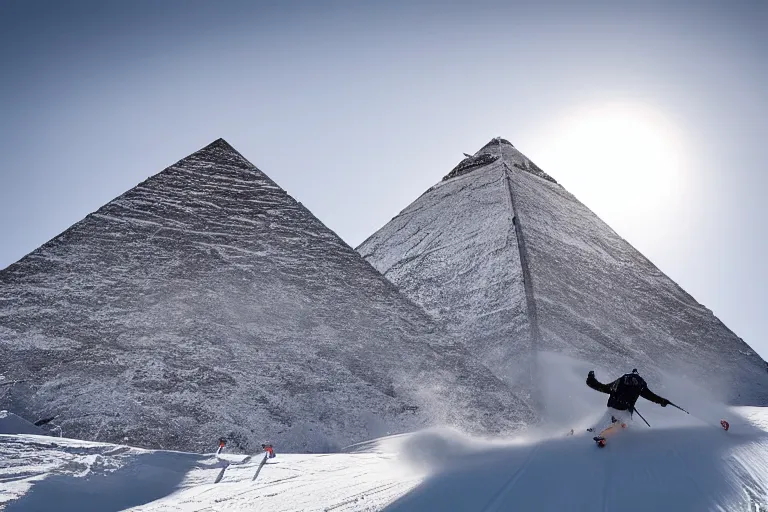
(623,392)
(268,448)
(222,444)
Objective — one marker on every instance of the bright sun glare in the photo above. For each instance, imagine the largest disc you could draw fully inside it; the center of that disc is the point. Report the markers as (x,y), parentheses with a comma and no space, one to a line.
(623,160)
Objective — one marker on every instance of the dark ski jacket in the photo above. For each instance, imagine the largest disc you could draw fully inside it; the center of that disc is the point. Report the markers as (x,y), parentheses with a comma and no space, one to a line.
(625,391)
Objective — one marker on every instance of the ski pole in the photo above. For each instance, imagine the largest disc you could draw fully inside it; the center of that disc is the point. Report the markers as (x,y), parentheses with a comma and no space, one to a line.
(641,416)
(723,422)
(673,405)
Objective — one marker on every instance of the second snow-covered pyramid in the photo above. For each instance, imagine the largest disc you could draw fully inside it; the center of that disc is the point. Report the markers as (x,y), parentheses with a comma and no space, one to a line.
(515,266)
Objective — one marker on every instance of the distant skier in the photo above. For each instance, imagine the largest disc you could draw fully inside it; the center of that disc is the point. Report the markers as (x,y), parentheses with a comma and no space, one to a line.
(271,451)
(222,444)
(623,392)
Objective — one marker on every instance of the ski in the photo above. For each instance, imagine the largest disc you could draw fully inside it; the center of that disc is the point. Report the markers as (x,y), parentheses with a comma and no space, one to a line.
(221,474)
(261,465)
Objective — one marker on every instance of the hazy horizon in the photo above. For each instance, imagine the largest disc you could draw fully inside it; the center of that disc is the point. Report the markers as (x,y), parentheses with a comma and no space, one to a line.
(651,115)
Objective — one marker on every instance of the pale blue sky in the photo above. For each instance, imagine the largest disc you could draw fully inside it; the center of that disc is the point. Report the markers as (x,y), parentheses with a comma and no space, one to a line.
(355,108)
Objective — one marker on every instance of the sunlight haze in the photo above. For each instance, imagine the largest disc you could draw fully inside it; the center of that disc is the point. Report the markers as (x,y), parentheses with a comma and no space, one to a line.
(628,162)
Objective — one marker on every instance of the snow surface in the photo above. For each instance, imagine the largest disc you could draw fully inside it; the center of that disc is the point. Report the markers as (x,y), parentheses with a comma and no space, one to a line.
(682,463)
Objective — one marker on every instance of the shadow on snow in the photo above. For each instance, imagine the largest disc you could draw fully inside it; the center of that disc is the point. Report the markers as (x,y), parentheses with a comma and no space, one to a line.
(144,478)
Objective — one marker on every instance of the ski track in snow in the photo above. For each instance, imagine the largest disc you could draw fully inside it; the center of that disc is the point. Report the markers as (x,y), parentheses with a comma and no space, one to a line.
(681,464)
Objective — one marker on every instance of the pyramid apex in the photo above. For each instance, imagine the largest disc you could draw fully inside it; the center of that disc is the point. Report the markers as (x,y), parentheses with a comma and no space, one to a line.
(494,145)
(220,142)
(497,149)
(219,151)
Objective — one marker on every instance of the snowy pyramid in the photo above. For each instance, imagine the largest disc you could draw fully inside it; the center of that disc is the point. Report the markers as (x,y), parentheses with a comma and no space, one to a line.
(515,266)
(207,302)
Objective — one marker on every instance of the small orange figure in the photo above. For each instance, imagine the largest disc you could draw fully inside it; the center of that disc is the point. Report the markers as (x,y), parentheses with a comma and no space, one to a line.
(268,448)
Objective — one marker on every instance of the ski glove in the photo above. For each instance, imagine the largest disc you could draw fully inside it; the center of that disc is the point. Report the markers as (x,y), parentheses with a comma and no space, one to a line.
(664,402)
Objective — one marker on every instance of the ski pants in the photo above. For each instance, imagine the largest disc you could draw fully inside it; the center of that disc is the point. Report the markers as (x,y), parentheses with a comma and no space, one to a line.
(611,417)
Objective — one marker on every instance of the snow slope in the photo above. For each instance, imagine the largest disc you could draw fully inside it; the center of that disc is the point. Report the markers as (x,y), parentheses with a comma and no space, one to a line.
(43,473)
(688,468)
(682,464)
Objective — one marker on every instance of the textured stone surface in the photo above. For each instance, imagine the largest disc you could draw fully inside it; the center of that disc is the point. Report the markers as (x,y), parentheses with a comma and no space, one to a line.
(514,265)
(207,302)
